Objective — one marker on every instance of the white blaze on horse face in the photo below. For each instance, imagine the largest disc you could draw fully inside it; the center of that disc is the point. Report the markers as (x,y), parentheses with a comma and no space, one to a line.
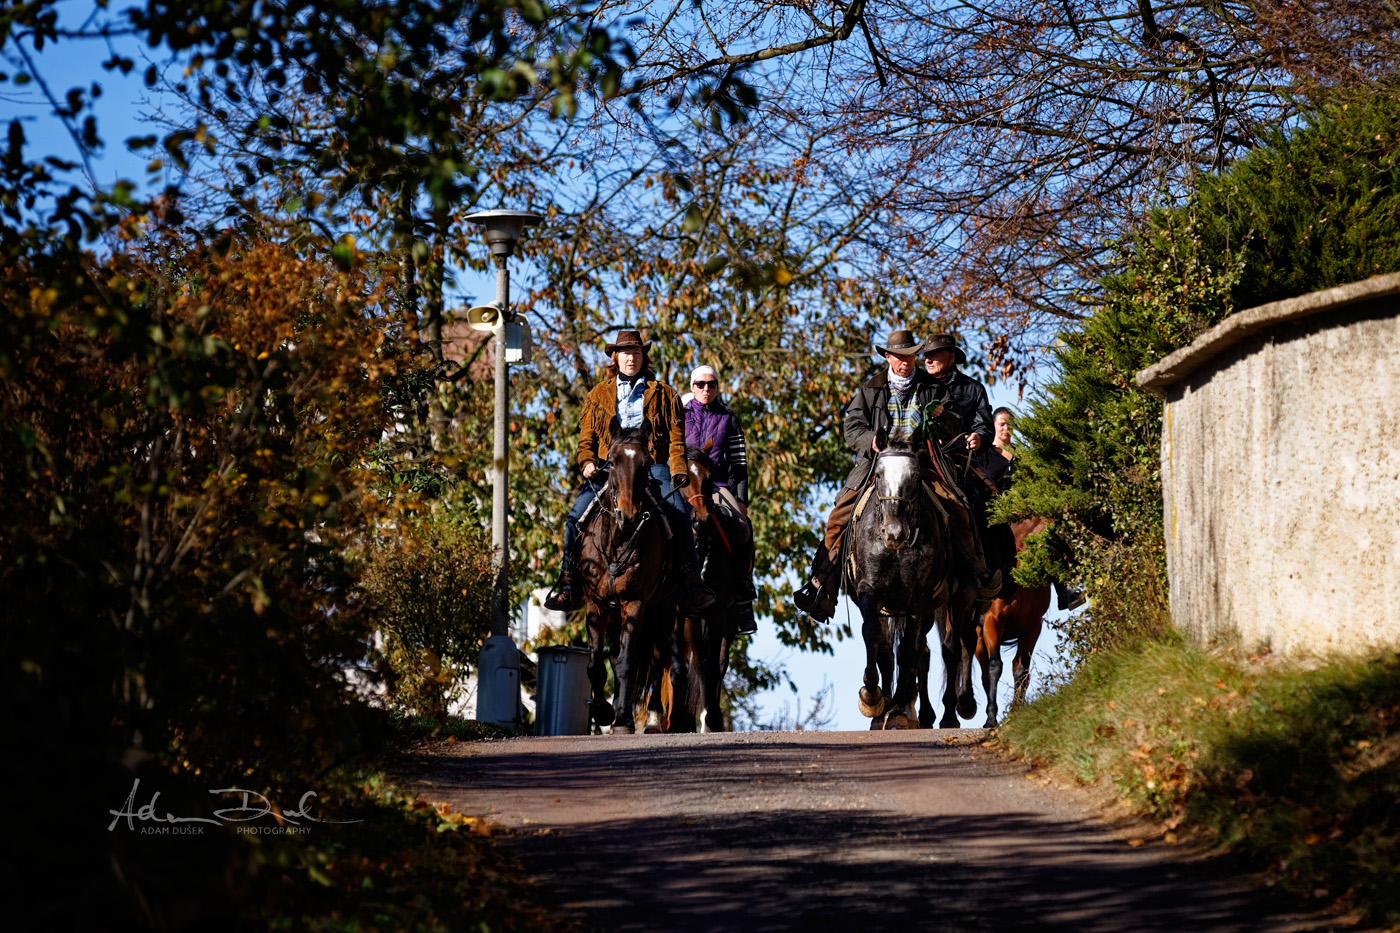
(629,470)
(897,478)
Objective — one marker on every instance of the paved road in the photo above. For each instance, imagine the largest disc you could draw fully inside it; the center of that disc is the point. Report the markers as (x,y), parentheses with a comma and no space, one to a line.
(896,831)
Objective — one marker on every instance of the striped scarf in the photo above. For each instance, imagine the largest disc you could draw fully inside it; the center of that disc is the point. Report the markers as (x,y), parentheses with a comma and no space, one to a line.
(902,406)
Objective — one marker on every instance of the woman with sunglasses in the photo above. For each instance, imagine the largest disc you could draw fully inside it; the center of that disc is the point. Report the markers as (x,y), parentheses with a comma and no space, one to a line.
(709,421)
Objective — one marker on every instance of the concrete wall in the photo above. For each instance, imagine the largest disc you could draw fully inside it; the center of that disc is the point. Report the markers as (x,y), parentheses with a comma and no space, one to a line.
(1281,473)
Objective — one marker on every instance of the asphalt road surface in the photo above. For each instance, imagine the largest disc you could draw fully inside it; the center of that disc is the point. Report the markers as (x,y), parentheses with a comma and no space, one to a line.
(860,831)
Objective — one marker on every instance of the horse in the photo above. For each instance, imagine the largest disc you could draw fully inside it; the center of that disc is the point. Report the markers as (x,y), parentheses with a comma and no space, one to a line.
(1015,621)
(700,648)
(630,599)
(901,573)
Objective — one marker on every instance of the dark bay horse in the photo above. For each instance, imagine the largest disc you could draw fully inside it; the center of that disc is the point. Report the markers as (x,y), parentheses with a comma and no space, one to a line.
(1016,621)
(700,648)
(631,602)
(901,574)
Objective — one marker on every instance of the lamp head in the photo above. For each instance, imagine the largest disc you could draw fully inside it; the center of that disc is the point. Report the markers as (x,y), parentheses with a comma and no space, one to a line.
(503,228)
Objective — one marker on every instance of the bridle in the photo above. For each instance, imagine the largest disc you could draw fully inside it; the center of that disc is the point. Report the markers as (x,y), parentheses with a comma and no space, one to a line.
(904,499)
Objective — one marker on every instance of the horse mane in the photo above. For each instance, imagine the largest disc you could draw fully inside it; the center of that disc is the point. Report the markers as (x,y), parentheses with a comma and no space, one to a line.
(699,455)
(902,443)
(629,435)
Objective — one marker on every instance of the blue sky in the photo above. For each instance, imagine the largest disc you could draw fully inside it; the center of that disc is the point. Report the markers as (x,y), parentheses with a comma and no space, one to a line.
(125,109)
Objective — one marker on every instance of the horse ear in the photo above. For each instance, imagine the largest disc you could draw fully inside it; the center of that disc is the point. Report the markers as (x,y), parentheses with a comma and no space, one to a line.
(709,442)
(882,438)
(615,426)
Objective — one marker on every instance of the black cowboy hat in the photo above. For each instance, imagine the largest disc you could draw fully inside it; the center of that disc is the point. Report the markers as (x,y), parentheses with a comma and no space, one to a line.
(627,340)
(900,342)
(945,342)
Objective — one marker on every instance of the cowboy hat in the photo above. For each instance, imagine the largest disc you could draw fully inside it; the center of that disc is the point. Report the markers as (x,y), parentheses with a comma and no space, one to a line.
(945,342)
(627,340)
(900,342)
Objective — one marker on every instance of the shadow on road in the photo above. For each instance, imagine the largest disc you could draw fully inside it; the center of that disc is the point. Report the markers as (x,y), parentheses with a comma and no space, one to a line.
(795,861)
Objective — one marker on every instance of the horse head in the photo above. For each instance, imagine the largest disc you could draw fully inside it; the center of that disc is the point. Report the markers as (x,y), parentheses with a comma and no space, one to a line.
(629,470)
(898,487)
(699,467)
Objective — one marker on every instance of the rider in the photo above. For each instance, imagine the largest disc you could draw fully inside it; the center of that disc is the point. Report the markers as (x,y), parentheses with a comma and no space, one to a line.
(633,393)
(900,399)
(968,398)
(707,419)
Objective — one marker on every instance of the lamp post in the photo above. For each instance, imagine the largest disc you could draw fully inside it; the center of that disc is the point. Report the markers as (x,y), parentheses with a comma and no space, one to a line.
(498,672)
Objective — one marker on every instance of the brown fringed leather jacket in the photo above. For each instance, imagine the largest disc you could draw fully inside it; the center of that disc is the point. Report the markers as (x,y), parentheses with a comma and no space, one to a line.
(661,407)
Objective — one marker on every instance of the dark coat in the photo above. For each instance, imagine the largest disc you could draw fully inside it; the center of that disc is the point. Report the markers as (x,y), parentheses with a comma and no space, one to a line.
(968,398)
(868,414)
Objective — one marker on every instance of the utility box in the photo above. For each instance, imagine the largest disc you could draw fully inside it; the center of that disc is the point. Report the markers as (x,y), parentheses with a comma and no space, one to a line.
(498,683)
(519,343)
(561,694)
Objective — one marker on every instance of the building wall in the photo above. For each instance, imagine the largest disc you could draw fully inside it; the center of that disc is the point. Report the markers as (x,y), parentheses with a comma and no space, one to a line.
(1281,478)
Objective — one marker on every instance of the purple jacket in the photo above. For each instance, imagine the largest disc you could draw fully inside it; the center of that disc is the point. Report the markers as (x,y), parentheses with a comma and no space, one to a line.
(714,422)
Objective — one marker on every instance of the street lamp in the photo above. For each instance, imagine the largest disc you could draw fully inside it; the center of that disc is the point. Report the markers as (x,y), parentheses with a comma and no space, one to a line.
(498,672)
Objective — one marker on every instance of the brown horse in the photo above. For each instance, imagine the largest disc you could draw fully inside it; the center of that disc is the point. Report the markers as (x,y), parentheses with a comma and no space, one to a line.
(1015,621)
(630,599)
(700,649)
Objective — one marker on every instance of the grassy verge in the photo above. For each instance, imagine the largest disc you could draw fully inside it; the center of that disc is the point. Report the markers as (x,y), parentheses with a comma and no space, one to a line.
(404,866)
(1296,767)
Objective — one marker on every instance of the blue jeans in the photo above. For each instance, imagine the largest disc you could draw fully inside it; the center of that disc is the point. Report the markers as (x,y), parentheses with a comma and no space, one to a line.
(672,500)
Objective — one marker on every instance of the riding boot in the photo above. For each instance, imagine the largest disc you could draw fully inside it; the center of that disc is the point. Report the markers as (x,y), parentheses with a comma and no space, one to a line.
(1067,598)
(818,597)
(696,596)
(745,623)
(567,594)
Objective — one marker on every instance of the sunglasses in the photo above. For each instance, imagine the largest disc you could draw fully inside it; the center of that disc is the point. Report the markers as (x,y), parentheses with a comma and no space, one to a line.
(705,385)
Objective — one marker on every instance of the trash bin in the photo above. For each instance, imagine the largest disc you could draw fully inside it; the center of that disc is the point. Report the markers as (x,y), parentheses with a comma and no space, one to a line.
(561,691)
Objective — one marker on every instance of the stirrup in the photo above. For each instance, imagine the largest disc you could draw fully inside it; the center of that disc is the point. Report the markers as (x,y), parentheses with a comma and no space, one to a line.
(815,601)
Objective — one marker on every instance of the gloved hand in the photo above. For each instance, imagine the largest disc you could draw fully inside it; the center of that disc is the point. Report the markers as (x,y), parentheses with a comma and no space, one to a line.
(679,479)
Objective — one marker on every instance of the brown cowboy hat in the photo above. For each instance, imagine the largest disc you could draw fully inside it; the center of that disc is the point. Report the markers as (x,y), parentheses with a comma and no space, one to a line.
(627,340)
(945,342)
(900,342)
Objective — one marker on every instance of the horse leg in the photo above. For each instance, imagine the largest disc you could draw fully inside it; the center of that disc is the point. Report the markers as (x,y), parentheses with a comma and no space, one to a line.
(683,673)
(926,711)
(872,699)
(628,666)
(602,710)
(988,654)
(714,663)
(947,641)
(907,656)
(1025,647)
(962,616)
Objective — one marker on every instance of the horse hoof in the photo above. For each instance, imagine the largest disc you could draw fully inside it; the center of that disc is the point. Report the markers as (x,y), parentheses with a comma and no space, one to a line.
(967,706)
(926,720)
(872,702)
(991,723)
(622,728)
(603,713)
(949,722)
(653,726)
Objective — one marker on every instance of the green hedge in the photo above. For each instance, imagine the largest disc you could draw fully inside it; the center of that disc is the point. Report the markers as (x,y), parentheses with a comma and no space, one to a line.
(1317,207)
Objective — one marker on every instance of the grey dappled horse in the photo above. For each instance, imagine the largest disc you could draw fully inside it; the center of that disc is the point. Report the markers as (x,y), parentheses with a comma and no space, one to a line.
(902,573)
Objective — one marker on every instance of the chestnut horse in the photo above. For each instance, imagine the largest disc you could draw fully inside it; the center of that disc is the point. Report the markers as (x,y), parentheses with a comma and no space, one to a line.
(631,600)
(1013,622)
(700,648)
